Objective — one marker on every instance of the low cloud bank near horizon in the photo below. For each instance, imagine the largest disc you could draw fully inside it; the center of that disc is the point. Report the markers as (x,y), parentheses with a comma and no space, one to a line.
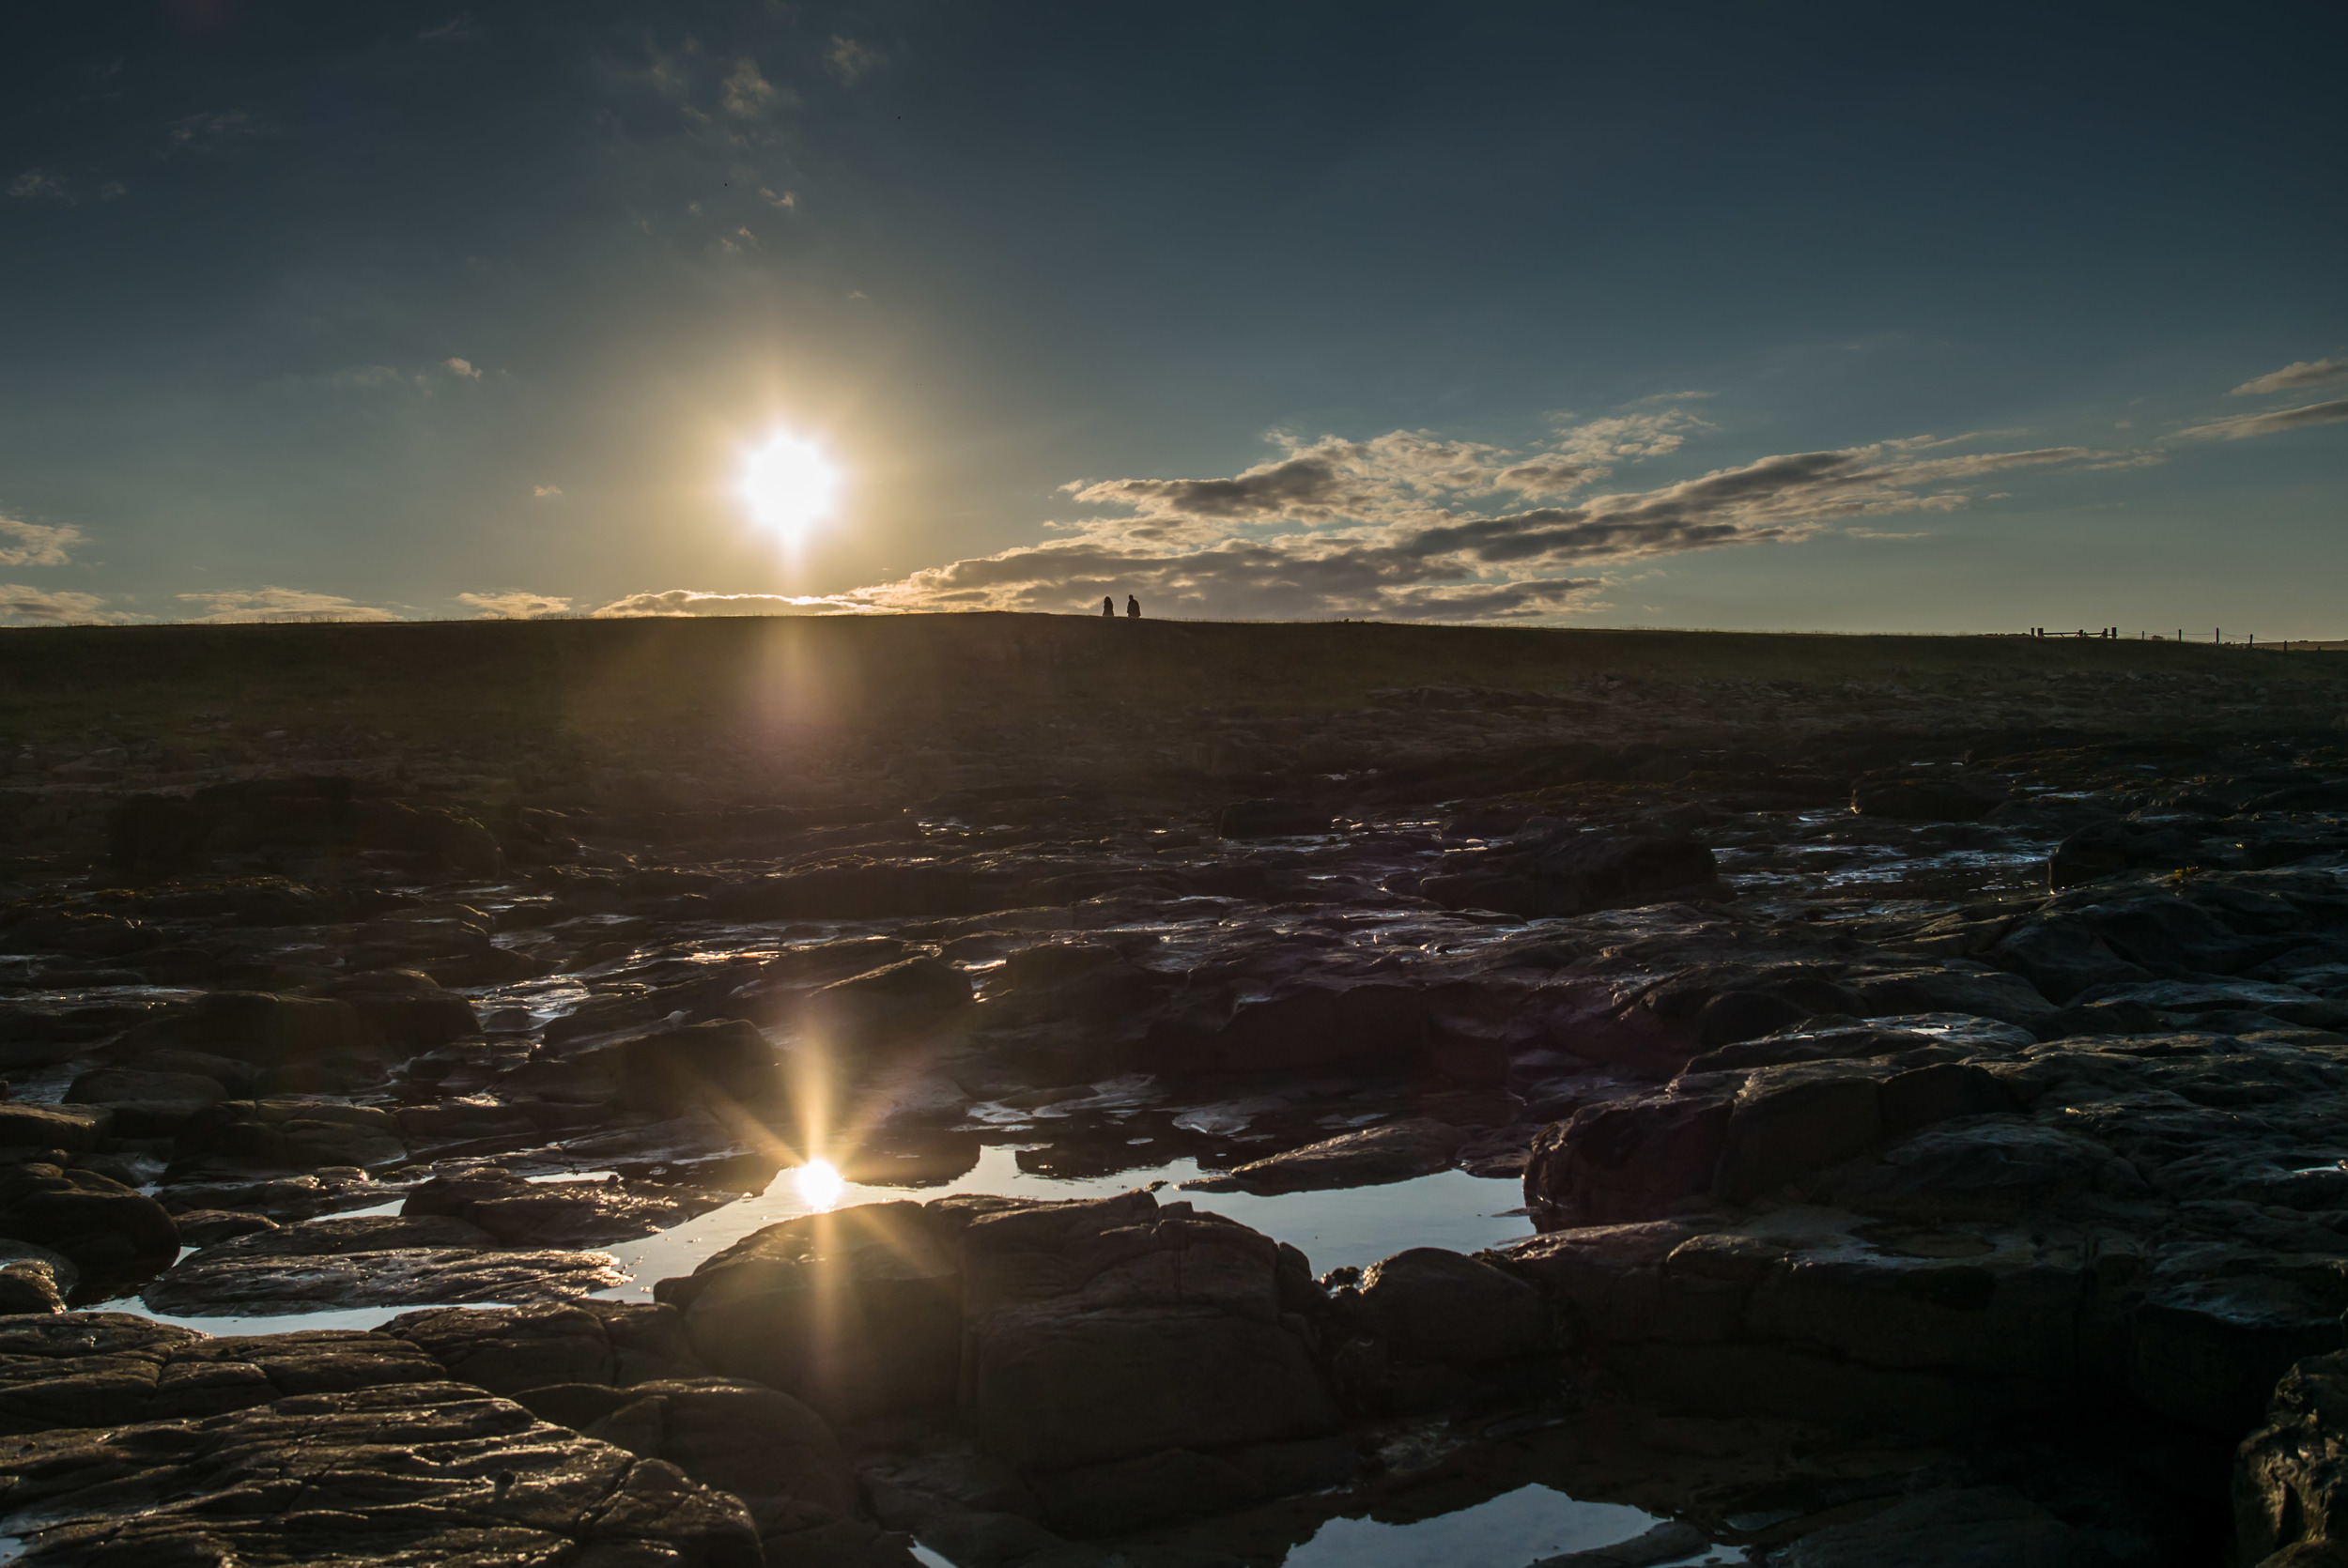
(1408,526)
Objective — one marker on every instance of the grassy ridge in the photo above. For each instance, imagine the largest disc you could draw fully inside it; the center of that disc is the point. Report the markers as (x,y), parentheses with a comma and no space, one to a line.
(438,680)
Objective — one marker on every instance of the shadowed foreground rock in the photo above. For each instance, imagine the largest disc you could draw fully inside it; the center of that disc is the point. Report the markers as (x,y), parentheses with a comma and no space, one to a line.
(418,1473)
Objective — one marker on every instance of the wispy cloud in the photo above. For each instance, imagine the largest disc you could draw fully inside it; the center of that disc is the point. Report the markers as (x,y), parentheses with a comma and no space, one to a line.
(24,544)
(746,94)
(515,605)
(2299,373)
(685,601)
(218,130)
(49,185)
(1395,527)
(2239,425)
(546,492)
(464,368)
(850,59)
(280,604)
(46,606)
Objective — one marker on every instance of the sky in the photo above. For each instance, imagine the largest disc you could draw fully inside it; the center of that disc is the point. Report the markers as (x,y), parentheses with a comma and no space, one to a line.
(1800,317)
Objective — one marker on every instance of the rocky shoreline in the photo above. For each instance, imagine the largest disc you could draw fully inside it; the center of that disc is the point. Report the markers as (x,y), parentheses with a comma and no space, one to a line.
(1930,1101)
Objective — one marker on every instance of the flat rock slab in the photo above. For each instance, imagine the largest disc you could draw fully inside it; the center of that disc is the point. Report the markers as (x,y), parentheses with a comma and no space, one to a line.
(114,1369)
(415,1474)
(523,1213)
(371,1260)
(1395,1152)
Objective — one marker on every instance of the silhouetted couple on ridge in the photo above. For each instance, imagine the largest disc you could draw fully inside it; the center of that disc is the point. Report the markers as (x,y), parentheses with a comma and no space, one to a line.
(1108,606)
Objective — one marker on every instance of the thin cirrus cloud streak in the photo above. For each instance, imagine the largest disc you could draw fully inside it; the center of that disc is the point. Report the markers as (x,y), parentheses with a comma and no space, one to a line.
(2239,425)
(2299,373)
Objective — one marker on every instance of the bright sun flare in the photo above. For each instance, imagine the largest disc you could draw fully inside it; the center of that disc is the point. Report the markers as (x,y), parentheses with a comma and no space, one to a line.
(789,483)
(820,1184)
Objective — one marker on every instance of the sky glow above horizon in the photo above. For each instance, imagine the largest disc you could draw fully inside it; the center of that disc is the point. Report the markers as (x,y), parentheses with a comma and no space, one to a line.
(1695,314)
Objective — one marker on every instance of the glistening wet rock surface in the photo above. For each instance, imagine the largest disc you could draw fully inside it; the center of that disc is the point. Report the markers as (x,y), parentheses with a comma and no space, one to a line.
(1927,1090)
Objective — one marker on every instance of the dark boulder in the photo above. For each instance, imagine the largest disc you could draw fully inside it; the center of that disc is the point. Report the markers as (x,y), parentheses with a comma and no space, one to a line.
(1433,1305)
(106,1228)
(857,1311)
(1106,1330)
(369,1260)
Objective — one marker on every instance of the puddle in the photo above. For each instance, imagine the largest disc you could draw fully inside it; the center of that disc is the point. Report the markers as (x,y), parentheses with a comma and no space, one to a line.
(1507,1531)
(1356,1226)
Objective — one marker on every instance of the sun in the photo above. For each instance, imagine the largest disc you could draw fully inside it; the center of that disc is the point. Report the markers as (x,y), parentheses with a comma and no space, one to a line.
(820,1184)
(789,482)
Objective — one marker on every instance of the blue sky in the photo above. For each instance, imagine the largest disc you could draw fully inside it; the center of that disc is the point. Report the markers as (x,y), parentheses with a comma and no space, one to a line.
(1839,316)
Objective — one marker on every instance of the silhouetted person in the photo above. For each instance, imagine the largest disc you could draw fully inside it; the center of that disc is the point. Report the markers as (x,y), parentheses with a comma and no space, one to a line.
(1133,608)
(1108,606)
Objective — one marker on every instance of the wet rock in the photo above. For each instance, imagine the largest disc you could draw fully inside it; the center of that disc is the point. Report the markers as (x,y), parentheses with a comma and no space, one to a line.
(32,1286)
(1395,1152)
(2184,999)
(325,1191)
(146,1104)
(512,1350)
(86,1369)
(1630,1159)
(1921,798)
(288,1134)
(2206,1351)
(1433,1305)
(2061,958)
(1978,989)
(1160,1488)
(380,1260)
(1108,1329)
(1578,874)
(762,1447)
(106,1228)
(201,1227)
(901,1002)
(430,1473)
(76,1130)
(1301,1026)
(523,1213)
(1986,1527)
(855,1312)
(1270,819)
(408,1010)
(266,1033)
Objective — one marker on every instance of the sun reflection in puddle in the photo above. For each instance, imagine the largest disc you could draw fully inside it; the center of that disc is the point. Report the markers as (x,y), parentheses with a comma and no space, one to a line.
(820,1185)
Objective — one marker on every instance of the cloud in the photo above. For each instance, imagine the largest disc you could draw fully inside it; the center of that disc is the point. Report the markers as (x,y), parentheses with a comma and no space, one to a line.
(24,544)
(20,603)
(463,367)
(2299,373)
(786,200)
(1631,436)
(213,132)
(48,185)
(515,605)
(850,59)
(546,492)
(1385,528)
(39,185)
(2239,425)
(744,94)
(685,601)
(281,604)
